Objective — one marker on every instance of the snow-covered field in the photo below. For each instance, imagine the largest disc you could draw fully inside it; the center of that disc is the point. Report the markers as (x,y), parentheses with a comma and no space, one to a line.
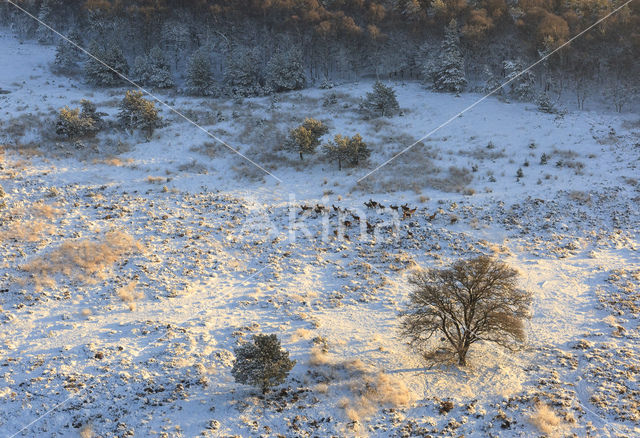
(131,268)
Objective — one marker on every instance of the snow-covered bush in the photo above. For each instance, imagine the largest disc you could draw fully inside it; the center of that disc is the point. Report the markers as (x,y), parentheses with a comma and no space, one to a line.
(67,55)
(99,74)
(136,112)
(381,101)
(153,70)
(285,71)
(200,80)
(73,124)
(545,105)
(447,72)
(306,138)
(522,85)
(261,363)
(347,151)
(242,77)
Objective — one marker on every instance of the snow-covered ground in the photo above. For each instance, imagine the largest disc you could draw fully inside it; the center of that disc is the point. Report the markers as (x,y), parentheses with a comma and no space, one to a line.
(131,268)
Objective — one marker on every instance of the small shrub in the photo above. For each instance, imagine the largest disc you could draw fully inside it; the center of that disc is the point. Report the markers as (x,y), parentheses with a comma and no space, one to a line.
(349,151)
(306,138)
(137,112)
(381,101)
(546,420)
(545,105)
(544,159)
(261,363)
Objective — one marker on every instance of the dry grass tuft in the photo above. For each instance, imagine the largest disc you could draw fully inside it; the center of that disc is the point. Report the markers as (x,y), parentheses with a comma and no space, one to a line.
(32,224)
(301,334)
(546,420)
(129,294)
(373,391)
(81,260)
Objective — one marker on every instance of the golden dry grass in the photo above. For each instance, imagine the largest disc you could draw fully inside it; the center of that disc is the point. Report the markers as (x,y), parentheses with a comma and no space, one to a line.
(129,294)
(30,224)
(82,260)
(546,420)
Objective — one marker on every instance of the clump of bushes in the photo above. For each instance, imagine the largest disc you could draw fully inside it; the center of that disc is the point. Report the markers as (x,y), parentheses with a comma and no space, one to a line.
(261,363)
(136,112)
(347,151)
(306,138)
(72,123)
(381,101)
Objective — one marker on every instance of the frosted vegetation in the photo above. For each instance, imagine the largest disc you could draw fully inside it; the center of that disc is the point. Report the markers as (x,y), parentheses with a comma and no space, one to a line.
(282,235)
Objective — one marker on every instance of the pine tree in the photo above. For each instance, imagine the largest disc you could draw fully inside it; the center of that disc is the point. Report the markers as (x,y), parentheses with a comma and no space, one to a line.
(99,74)
(306,138)
(242,76)
(347,151)
(449,73)
(381,101)
(522,85)
(285,71)
(136,112)
(67,55)
(153,69)
(200,81)
(43,34)
(261,363)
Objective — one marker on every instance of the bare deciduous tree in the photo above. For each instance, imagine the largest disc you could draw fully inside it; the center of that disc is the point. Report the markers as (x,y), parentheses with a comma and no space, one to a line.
(473,300)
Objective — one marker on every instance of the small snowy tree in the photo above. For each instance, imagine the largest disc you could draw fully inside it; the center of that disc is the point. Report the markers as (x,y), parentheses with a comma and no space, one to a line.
(67,55)
(136,112)
(99,74)
(522,85)
(306,138)
(545,104)
(200,80)
(381,101)
(448,73)
(348,151)
(242,76)
(285,71)
(261,363)
(153,69)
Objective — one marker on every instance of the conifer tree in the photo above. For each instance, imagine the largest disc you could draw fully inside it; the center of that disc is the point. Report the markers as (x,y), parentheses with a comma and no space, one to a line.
(242,76)
(381,101)
(306,138)
(261,362)
(285,71)
(200,80)
(99,74)
(153,69)
(347,151)
(522,83)
(67,55)
(449,73)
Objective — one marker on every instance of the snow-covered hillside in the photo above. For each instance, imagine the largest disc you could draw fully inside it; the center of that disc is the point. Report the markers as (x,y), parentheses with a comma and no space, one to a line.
(131,268)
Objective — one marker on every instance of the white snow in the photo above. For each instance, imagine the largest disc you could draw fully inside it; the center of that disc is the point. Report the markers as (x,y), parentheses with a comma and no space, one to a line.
(217,264)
